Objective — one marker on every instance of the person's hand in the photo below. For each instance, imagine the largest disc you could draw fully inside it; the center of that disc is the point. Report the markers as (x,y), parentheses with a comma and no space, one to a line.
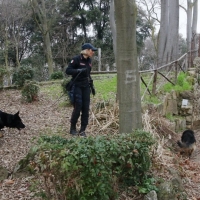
(82,70)
(93,91)
(91,82)
(92,87)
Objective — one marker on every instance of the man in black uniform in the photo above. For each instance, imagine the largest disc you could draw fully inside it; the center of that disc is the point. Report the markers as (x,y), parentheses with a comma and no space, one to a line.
(80,68)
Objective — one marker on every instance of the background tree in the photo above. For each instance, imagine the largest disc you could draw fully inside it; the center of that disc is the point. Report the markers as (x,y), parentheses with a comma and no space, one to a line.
(112,24)
(191,29)
(127,68)
(169,32)
(148,55)
(11,34)
(44,21)
(4,31)
(194,26)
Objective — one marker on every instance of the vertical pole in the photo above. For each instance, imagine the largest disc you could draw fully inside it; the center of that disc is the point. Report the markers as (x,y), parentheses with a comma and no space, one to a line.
(176,71)
(99,59)
(154,82)
(186,62)
(199,47)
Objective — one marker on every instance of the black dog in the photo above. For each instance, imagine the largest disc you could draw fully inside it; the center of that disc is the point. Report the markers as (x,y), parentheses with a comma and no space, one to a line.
(188,142)
(11,121)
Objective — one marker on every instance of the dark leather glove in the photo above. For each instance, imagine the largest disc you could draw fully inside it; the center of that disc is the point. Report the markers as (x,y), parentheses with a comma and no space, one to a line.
(93,90)
(82,70)
(92,87)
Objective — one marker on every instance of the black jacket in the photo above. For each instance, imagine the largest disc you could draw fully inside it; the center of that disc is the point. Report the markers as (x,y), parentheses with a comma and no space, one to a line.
(79,62)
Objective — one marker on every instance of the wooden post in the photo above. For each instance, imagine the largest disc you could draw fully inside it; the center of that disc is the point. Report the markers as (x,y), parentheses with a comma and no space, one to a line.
(154,82)
(176,71)
(99,59)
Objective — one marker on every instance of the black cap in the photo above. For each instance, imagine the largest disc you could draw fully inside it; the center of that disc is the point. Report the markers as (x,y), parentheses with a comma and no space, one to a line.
(88,46)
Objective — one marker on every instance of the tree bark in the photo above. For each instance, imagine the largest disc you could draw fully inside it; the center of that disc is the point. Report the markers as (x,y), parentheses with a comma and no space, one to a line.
(128,82)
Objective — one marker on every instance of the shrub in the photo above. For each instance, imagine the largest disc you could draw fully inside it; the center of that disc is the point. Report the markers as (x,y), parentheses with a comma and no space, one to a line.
(30,91)
(57,75)
(22,74)
(63,85)
(91,168)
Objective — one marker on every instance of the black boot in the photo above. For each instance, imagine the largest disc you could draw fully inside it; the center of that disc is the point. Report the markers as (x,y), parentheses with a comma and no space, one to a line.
(73,129)
(82,131)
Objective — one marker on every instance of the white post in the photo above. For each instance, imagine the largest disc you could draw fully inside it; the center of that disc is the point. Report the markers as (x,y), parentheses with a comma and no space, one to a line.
(107,67)
(99,59)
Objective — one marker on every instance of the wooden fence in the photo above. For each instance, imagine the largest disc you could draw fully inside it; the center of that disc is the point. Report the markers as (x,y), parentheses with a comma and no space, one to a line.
(159,76)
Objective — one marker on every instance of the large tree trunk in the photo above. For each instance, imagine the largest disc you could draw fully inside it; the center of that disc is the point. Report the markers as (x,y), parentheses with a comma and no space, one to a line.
(171,52)
(189,24)
(128,82)
(168,36)
(192,7)
(194,28)
(162,40)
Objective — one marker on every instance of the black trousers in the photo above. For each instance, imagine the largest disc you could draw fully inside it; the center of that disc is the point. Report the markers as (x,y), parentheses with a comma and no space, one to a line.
(81,105)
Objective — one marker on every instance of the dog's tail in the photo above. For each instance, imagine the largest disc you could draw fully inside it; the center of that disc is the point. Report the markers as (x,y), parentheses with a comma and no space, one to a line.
(186,145)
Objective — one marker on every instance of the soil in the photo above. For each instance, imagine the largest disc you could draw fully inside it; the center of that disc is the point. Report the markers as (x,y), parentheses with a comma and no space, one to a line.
(47,116)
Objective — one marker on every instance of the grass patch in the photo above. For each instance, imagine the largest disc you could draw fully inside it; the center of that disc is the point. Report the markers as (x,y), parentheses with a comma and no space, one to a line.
(106,89)
(170,117)
(54,91)
(183,84)
(152,99)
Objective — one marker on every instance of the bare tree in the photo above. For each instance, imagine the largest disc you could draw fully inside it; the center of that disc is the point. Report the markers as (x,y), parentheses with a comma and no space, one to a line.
(39,9)
(192,19)
(151,15)
(5,21)
(128,82)
(19,14)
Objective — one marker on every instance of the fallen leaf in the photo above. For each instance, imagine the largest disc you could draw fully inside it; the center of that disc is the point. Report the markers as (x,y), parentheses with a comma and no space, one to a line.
(9,182)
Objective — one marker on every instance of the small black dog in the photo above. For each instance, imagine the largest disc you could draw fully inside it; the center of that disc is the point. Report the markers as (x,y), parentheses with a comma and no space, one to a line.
(188,142)
(11,121)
